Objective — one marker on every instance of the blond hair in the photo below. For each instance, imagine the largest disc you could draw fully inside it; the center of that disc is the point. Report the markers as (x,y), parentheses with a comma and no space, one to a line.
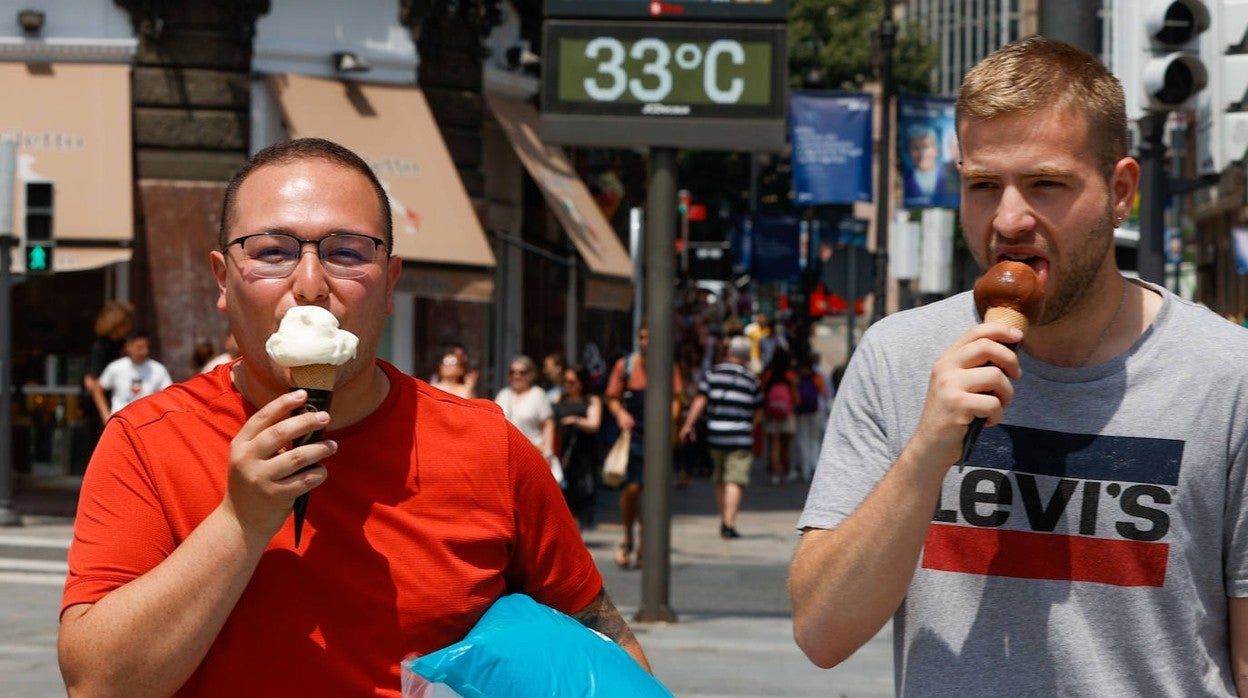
(112,317)
(1036,74)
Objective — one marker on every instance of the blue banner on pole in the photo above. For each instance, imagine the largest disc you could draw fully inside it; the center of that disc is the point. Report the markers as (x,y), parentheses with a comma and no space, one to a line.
(927,145)
(1239,237)
(768,245)
(830,133)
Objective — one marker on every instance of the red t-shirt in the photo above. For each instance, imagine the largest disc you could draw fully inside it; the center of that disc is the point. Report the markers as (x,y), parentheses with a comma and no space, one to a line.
(434,508)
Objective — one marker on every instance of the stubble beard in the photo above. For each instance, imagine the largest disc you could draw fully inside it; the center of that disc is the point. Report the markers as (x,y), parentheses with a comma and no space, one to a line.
(1080,272)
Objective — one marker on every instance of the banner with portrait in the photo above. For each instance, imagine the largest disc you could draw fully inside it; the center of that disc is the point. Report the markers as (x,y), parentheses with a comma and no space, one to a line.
(1239,238)
(830,133)
(927,145)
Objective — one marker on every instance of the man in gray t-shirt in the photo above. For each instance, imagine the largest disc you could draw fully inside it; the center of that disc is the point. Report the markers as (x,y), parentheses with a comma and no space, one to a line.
(1095,541)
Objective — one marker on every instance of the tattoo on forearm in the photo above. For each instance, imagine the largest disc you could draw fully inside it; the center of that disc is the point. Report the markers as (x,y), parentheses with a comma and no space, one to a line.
(602,615)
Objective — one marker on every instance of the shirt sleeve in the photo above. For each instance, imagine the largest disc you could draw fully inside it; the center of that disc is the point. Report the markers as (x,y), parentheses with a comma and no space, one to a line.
(550,562)
(120,531)
(856,453)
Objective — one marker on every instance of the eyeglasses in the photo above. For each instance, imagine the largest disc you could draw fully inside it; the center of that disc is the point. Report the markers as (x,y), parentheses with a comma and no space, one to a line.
(450,361)
(275,255)
(518,372)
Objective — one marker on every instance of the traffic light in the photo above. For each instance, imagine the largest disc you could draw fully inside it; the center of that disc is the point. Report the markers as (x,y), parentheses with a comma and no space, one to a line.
(1157,52)
(1175,72)
(38,244)
(1223,112)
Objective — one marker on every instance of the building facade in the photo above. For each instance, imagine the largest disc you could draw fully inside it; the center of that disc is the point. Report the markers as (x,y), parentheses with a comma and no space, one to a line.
(202,86)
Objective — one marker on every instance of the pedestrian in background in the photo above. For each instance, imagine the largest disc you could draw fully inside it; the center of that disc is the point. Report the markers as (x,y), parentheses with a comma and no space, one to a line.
(1105,497)
(228,354)
(471,374)
(578,414)
(201,354)
(452,376)
(759,330)
(731,399)
(626,401)
(183,573)
(779,421)
(525,405)
(553,366)
(687,456)
(135,375)
(114,321)
(814,397)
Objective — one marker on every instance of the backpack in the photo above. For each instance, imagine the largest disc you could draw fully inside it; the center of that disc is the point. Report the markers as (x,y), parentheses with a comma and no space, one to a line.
(807,395)
(779,402)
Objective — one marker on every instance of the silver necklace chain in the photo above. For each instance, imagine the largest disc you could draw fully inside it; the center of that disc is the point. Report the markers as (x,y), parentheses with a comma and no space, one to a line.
(1122,300)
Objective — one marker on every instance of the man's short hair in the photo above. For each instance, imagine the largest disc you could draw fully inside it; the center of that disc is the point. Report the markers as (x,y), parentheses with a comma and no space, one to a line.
(295,150)
(1036,74)
(739,347)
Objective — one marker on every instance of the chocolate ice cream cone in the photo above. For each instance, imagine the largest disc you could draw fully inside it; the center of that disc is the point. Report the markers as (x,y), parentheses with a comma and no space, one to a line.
(1007,316)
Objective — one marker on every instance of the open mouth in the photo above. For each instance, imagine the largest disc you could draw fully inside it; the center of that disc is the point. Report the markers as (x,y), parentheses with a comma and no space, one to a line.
(1040,265)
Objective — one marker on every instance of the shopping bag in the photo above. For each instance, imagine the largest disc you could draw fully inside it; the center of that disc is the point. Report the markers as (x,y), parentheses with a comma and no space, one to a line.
(616,464)
(521,648)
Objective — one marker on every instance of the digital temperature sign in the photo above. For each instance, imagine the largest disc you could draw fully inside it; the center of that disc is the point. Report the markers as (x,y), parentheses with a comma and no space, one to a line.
(716,86)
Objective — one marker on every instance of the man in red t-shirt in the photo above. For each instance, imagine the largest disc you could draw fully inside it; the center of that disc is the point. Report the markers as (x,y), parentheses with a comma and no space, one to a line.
(184,578)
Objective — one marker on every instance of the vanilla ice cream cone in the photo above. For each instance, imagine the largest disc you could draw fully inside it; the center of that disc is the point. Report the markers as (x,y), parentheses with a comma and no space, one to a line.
(310,344)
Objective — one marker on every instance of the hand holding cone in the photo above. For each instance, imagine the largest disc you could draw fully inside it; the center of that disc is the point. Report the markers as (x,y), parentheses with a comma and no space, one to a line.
(1010,293)
(311,345)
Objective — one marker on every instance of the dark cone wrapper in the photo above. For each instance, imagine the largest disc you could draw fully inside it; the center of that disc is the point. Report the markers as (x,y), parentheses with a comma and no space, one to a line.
(318,401)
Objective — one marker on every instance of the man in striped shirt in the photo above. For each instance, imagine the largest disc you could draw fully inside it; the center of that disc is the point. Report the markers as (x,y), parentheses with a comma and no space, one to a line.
(732,399)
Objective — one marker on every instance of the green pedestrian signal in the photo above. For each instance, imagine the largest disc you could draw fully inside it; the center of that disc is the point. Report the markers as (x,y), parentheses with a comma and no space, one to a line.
(39,258)
(38,240)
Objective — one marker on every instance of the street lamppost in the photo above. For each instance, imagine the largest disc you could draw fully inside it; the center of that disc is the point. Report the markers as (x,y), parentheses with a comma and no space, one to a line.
(887,37)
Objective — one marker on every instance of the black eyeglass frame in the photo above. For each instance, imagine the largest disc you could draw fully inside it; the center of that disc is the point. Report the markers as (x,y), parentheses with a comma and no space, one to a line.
(378,243)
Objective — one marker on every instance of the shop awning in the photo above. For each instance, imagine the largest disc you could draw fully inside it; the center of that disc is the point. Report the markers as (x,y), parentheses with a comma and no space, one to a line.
(565,193)
(71,122)
(391,127)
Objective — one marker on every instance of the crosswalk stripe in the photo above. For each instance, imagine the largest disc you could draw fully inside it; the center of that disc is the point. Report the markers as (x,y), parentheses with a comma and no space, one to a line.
(38,578)
(29,542)
(12,564)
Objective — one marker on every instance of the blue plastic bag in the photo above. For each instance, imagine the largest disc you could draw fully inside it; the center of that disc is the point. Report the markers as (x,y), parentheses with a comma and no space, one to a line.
(522,648)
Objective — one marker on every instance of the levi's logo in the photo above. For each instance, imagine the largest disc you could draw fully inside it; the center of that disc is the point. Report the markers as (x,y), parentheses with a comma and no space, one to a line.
(1039,504)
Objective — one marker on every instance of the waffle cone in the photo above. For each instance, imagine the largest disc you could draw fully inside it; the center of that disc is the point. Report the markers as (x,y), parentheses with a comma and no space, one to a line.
(1006,316)
(315,376)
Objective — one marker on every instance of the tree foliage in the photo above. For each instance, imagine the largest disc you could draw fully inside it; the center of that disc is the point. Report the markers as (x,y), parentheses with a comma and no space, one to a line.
(837,41)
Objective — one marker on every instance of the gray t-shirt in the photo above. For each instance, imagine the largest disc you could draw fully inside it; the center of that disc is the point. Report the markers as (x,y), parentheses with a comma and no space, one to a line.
(1089,545)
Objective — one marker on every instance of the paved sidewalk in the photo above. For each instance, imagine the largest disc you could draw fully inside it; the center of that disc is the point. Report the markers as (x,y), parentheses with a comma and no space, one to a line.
(732,637)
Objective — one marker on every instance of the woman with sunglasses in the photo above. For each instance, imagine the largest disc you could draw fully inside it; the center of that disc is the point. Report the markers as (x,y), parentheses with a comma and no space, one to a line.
(579,416)
(452,376)
(525,405)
